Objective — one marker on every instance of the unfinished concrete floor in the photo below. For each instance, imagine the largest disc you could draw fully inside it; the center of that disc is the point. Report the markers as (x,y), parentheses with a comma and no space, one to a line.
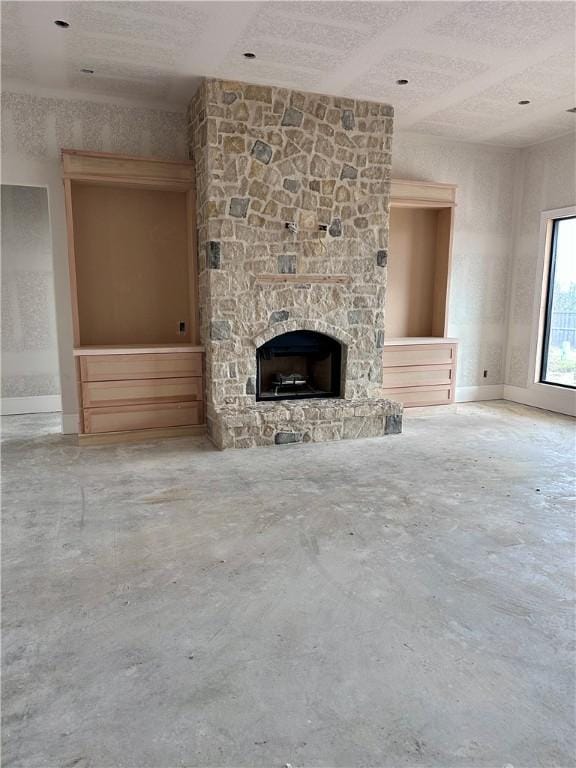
(391,602)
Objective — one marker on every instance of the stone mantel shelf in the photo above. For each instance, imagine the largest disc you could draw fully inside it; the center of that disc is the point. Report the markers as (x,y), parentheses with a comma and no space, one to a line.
(311,278)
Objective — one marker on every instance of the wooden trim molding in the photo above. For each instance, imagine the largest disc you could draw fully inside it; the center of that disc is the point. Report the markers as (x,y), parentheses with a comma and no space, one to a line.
(112,156)
(422,194)
(71,260)
(193,270)
(80,165)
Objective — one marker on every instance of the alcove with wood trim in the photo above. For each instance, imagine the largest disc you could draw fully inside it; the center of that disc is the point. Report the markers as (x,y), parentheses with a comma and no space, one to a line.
(419,358)
(132,265)
(133,277)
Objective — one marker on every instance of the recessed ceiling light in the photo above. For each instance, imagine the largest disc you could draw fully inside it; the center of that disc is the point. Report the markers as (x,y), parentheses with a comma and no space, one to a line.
(572,109)
(402,82)
(87,71)
(61,23)
(249,55)
(524,102)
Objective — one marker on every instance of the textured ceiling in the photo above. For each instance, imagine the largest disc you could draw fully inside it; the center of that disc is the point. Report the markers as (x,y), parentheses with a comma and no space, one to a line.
(468,63)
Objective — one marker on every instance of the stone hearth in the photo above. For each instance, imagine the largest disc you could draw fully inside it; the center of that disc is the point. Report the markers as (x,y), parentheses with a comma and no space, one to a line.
(292,210)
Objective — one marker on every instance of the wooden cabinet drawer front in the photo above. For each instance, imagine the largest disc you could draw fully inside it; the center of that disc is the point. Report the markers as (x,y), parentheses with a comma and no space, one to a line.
(133,391)
(412,396)
(146,366)
(417,376)
(419,354)
(128,417)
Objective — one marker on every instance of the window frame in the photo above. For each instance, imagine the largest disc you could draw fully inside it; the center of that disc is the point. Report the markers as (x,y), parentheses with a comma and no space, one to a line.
(549,275)
(547,219)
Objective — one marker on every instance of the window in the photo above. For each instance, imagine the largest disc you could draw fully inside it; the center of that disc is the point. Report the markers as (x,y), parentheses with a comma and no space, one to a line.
(559,341)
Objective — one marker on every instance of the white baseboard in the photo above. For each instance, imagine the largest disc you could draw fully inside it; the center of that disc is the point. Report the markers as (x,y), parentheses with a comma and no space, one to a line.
(487,392)
(11,406)
(545,396)
(70,423)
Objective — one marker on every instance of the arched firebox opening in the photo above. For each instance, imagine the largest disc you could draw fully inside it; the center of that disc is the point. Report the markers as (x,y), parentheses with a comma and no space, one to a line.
(299,364)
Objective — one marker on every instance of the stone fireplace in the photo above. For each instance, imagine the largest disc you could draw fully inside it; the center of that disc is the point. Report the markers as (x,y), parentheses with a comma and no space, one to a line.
(292,212)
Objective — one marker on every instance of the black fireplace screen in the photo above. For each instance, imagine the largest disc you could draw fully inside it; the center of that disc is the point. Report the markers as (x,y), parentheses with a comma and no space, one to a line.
(299,364)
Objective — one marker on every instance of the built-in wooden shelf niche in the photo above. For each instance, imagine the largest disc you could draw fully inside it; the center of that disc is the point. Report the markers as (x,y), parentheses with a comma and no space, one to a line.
(421,218)
(133,279)
(133,259)
(131,265)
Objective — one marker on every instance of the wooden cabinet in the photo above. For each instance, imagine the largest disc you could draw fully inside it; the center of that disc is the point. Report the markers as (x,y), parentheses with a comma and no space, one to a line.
(133,276)
(135,390)
(419,360)
(420,371)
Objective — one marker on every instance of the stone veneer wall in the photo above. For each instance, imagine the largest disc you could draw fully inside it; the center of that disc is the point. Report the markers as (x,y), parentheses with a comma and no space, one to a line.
(266,156)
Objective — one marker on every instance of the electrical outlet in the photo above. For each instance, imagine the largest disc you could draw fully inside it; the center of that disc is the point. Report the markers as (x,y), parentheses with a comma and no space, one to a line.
(485,374)
(182,327)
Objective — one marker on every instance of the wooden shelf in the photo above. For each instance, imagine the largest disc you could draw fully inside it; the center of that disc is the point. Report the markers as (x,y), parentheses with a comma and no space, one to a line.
(405,340)
(135,349)
(312,278)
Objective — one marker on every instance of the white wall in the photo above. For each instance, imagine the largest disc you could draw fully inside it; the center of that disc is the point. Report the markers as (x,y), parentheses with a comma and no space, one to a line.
(547,174)
(482,248)
(30,369)
(35,129)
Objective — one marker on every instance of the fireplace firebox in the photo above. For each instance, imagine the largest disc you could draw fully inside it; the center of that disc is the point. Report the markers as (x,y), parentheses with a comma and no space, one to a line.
(299,364)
